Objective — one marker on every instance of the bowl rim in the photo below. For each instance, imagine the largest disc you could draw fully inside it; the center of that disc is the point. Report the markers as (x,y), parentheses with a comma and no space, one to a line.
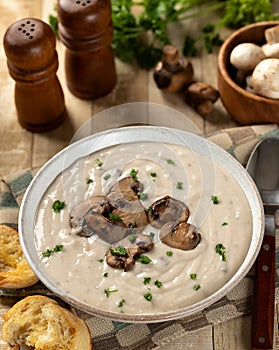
(119,136)
(222,58)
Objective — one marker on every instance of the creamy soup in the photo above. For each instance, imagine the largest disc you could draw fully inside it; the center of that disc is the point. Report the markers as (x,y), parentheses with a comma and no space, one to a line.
(174,278)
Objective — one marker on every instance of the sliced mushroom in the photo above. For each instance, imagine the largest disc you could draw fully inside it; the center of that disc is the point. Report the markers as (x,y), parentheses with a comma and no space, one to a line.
(110,231)
(167,209)
(96,204)
(131,247)
(182,236)
(123,197)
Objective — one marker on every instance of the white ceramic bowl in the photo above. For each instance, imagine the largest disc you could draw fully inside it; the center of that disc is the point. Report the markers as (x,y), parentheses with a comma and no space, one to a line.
(102,140)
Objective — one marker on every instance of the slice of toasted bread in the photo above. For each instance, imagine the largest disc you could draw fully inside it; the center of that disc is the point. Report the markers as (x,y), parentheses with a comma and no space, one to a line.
(14,270)
(42,324)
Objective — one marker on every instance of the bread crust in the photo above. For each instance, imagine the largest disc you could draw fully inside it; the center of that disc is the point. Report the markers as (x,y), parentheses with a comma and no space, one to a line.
(41,323)
(15,273)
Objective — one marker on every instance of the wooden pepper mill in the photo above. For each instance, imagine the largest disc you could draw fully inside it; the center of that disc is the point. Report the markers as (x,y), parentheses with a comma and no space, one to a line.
(85,28)
(32,62)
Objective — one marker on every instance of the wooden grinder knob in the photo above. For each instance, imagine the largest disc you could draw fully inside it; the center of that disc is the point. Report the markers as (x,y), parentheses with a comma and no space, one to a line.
(32,62)
(85,27)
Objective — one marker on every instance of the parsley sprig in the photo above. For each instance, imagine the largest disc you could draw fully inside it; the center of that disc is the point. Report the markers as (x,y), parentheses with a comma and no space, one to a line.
(56,249)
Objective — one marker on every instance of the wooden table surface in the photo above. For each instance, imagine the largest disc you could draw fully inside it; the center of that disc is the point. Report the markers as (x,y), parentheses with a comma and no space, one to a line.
(21,149)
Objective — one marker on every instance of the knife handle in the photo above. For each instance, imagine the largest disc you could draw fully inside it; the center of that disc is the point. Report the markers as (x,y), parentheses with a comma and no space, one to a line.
(264,293)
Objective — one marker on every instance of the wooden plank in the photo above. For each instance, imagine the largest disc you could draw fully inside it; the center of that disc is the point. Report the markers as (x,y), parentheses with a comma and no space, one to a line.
(233,334)
(197,340)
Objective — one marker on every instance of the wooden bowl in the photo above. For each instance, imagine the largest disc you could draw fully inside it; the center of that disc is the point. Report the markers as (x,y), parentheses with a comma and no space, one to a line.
(245,107)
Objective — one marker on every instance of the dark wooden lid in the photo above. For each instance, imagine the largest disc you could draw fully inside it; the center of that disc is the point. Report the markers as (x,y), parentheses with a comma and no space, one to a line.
(84,18)
(29,44)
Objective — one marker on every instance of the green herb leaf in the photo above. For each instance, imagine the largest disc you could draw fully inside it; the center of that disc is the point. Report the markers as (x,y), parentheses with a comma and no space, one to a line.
(56,249)
(147,280)
(132,238)
(169,253)
(179,185)
(105,274)
(106,177)
(89,181)
(152,235)
(109,291)
(193,276)
(158,283)
(53,22)
(170,161)
(197,287)
(224,224)
(114,217)
(99,162)
(142,195)
(100,260)
(134,174)
(121,303)
(221,250)
(144,259)
(214,199)
(148,296)
(119,251)
(153,174)
(57,206)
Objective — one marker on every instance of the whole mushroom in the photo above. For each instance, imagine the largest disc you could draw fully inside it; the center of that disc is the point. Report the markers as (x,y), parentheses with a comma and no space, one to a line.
(172,74)
(265,78)
(246,56)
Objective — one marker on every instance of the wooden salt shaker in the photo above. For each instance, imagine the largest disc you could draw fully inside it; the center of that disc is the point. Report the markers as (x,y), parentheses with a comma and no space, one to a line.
(85,28)
(32,62)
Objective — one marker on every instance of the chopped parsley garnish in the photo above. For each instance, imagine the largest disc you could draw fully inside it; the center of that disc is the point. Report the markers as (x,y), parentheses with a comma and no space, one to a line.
(57,206)
(106,177)
(134,174)
(142,195)
(56,249)
(99,162)
(152,235)
(158,283)
(148,296)
(221,250)
(224,224)
(214,199)
(197,287)
(144,259)
(100,260)
(121,302)
(193,276)
(114,217)
(132,238)
(179,185)
(170,161)
(89,181)
(153,174)
(169,253)
(147,280)
(108,291)
(105,274)
(119,251)
(133,224)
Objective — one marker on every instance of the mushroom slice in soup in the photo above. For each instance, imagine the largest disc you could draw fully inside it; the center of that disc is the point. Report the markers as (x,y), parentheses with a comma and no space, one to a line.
(167,209)
(109,231)
(124,253)
(180,235)
(96,204)
(124,199)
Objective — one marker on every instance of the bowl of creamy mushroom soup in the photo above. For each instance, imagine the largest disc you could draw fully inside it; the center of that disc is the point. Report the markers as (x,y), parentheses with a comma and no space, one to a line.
(141,223)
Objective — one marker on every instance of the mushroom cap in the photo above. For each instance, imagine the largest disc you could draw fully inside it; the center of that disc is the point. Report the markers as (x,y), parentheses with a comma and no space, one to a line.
(167,209)
(124,199)
(182,236)
(265,78)
(135,245)
(95,204)
(246,56)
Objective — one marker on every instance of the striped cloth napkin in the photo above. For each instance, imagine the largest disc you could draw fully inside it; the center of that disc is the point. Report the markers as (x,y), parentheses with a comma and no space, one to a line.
(108,334)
